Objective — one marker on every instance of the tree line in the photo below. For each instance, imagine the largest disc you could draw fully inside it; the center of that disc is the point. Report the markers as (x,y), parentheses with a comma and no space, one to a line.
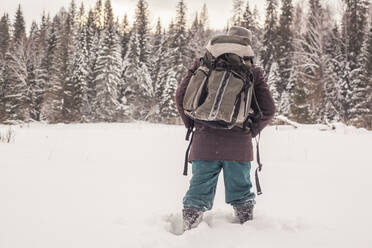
(319,69)
(87,66)
(84,65)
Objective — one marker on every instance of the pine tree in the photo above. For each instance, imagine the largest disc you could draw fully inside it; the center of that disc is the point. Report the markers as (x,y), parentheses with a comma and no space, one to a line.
(247,19)
(33,61)
(285,51)
(195,38)
(238,7)
(125,36)
(355,23)
(107,71)
(139,90)
(4,35)
(51,108)
(43,67)
(142,29)
(315,64)
(168,106)
(203,18)
(99,15)
(361,112)
(300,108)
(79,77)
(68,39)
(93,45)
(16,91)
(257,35)
(108,15)
(332,49)
(4,46)
(345,92)
(179,49)
(17,102)
(3,81)
(91,31)
(268,52)
(158,51)
(138,87)
(19,27)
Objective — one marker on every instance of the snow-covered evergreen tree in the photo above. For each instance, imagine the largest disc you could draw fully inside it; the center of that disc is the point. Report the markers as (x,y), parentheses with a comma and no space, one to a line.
(19,27)
(250,20)
(238,10)
(179,47)
(51,108)
(284,54)
(16,91)
(285,45)
(142,29)
(168,108)
(361,112)
(125,35)
(138,87)
(332,49)
(46,47)
(107,72)
(314,62)
(99,15)
(138,90)
(3,81)
(268,52)
(204,18)
(300,108)
(68,38)
(34,54)
(274,77)
(4,35)
(247,19)
(160,60)
(79,76)
(355,21)
(4,46)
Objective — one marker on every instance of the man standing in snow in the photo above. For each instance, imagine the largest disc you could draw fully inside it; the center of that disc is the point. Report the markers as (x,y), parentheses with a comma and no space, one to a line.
(227,149)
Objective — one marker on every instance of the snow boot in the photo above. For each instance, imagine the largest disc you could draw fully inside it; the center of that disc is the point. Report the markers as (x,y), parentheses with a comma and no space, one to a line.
(244,212)
(191,217)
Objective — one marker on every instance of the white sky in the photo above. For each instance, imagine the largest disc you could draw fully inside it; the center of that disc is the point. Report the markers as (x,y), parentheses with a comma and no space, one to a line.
(219,10)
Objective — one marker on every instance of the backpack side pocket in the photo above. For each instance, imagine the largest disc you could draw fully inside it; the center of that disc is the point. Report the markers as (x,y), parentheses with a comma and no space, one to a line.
(195,90)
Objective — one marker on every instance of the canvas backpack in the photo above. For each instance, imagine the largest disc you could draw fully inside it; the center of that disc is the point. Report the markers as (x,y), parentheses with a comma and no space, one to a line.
(219,93)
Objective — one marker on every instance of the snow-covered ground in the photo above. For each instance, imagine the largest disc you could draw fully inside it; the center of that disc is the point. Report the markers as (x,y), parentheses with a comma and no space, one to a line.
(121,185)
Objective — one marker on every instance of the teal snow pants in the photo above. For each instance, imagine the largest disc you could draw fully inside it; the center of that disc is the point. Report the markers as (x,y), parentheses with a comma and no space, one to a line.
(204,182)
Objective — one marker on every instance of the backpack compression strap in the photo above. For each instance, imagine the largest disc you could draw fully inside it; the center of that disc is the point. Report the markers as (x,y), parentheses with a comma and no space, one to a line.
(259,168)
(189,132)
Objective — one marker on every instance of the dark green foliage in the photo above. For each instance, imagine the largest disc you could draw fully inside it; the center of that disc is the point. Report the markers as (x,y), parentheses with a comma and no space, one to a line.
(284,45)
(19,33)
(4,35)
(268,52)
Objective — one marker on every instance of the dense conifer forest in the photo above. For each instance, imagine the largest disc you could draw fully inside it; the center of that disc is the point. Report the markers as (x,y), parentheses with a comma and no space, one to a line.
(84,65)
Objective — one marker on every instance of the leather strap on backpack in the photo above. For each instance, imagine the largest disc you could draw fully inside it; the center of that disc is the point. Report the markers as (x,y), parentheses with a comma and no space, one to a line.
(259,168)
(189,132)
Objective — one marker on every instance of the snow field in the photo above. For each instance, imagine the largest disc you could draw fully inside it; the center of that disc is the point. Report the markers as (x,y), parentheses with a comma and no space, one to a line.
(121,185)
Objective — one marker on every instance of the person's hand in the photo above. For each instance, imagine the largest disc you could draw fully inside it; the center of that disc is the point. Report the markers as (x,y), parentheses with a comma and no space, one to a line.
(195,65)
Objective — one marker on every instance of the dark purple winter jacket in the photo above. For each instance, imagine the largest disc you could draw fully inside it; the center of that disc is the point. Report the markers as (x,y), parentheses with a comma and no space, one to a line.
(230,145)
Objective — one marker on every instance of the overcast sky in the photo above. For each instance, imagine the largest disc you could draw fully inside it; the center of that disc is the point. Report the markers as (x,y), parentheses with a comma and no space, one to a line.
(219,10)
